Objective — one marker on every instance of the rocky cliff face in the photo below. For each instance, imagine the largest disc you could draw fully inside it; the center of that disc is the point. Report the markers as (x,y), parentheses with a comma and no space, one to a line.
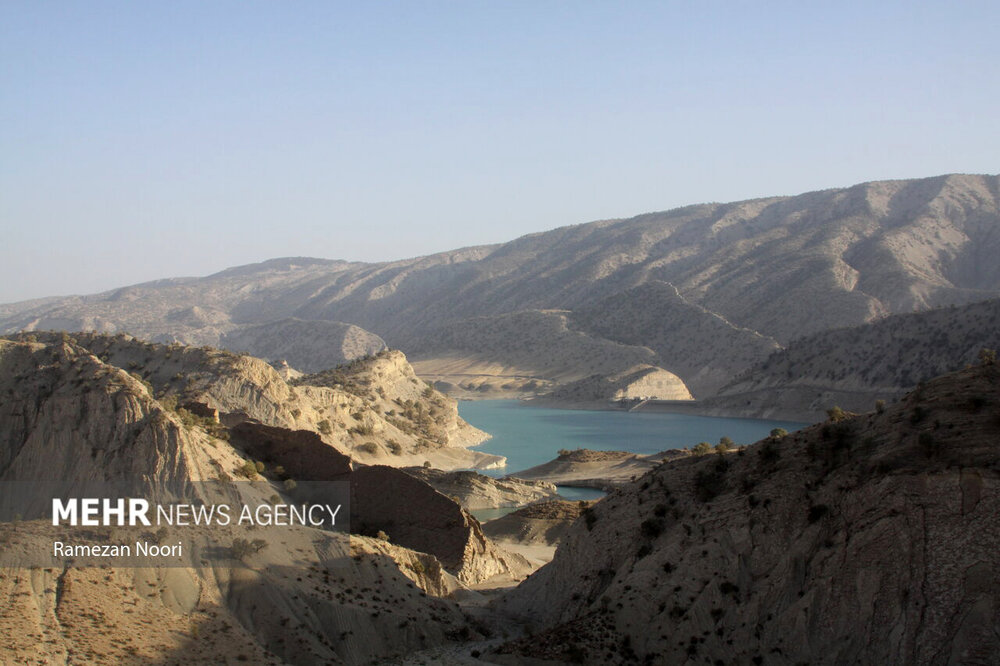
(870,539)
(404,409)
(414,515)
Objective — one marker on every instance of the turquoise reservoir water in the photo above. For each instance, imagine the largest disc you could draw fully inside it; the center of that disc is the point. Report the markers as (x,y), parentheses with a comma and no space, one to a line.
(530,436)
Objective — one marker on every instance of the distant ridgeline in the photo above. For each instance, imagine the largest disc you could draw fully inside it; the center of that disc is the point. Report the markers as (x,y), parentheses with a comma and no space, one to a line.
(708,293)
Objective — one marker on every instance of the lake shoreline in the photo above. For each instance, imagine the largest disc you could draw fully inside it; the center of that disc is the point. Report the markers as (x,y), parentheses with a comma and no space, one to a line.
(694,408)
(532,437)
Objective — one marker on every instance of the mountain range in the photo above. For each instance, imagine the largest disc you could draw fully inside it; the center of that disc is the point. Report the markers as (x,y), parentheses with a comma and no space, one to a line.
(707,292)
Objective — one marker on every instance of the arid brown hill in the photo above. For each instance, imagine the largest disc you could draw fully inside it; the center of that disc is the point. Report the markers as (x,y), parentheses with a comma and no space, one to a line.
(873,539)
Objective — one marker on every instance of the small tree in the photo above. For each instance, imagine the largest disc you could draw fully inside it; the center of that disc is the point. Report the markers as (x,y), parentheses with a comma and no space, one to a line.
(880,406)
(247,470)
(988,356)
(836,414)
(778,433)
(701,448)
(241,548)
(290,485)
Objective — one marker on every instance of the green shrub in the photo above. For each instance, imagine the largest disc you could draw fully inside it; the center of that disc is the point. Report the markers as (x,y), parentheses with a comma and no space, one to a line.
(701,448)
(247,470)
(836,414)
(243,548)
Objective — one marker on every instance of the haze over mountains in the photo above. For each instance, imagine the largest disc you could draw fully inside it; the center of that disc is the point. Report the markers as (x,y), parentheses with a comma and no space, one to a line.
(706,292)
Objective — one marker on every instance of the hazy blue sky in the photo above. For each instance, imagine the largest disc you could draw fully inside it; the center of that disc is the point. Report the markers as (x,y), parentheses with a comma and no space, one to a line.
(141,140)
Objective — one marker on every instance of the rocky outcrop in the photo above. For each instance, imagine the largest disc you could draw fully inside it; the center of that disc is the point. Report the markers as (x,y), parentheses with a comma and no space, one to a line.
(375,410)
(641,382)
(414,515)
(541,524)
(475,491)
(870,539)
(407,403)
(594,469)
(72,420)
(302,453)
